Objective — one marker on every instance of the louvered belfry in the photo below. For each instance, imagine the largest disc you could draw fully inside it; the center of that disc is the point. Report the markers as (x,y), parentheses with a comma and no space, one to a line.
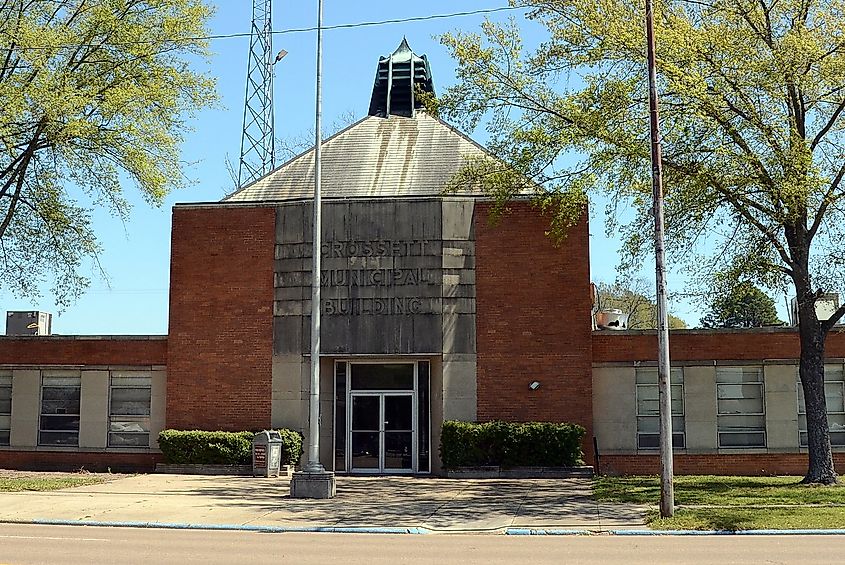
(396,77)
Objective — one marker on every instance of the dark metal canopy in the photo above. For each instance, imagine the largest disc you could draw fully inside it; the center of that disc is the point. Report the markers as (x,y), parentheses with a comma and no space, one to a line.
(396,78)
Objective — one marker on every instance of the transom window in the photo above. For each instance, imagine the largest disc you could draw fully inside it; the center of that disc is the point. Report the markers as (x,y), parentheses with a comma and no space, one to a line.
(834,394)
(5,408)
(741,407)
(129,410)
(59,422)
(648,408)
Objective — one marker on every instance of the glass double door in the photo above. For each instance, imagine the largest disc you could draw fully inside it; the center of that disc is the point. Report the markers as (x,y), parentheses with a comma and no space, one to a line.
(382,432)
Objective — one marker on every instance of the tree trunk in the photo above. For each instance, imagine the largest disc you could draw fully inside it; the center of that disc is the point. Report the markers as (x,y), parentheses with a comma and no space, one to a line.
(811,372)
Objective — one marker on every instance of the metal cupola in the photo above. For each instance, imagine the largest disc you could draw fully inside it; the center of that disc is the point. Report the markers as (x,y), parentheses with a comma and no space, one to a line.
(397,77)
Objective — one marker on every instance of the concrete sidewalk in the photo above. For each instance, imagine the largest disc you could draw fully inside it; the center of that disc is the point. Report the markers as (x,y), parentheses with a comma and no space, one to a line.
(440,505)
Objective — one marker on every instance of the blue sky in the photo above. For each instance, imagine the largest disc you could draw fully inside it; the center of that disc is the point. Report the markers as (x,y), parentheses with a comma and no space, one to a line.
(136,255)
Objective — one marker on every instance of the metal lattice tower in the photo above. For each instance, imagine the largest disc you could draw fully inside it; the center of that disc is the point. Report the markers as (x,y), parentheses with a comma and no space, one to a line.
(257,143)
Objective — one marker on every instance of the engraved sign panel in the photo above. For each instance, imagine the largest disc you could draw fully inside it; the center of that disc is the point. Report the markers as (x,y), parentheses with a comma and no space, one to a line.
(381,279)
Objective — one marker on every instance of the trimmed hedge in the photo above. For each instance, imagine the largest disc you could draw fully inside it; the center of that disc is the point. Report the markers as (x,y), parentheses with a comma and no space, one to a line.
(291,446)
(511,444)
(221,448)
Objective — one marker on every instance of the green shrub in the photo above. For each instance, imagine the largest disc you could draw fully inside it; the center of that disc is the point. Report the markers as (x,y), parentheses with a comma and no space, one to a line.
(291,446)
(511,444)
(221,448)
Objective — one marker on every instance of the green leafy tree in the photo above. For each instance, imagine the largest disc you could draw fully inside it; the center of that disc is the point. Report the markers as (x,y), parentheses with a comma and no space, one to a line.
(634,300)
(744,306)
(93,93)
(753,125)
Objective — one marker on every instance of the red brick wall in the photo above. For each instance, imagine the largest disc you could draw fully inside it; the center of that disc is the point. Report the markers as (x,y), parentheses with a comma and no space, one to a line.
(703,345)
(533,320)
(221,318)
(722,464)
(83,350)
(77,460)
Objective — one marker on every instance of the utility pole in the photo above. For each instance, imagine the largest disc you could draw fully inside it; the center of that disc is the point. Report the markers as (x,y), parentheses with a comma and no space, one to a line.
(667,489)
(314,481)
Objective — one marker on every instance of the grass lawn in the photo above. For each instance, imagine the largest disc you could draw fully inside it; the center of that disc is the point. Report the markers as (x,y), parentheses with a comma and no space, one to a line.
(780,518)
(18,482)
(741,503)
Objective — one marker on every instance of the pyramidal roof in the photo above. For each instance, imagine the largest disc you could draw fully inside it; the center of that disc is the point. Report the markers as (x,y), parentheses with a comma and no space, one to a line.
(392,156)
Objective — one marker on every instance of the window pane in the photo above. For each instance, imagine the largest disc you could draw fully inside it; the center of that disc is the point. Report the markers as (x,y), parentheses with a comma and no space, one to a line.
(677,424)
(60,400)
(739,391)
(648,403)
(58,438)
(6,380)
(648,375)
(648,408)
(652,441)
(5,422)
(833,397)
(66,423)
(383,376)
(742,423)
(837,438)
(340,417)
(69,393)
(60,407)
(834,373)
(4,437)
(744,406)
(836,422)
(129,440)
(61,381)
(648,425)
(6,406)
(648,441)
(136,381)
(748,439)
(423,434)
(130,401)
(139,425)
(648,392)
(739,374)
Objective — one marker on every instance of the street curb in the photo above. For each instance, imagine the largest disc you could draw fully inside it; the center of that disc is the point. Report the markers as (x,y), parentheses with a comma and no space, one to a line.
(569,532)
(418,530)
(836,532)
(228,527)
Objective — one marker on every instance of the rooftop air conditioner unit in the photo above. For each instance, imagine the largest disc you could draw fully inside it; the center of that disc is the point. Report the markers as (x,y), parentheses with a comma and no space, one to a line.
(28,323)
(611,319)
(826,305)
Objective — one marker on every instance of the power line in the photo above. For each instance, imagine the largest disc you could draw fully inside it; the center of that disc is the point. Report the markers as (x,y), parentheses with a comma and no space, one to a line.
(281,32)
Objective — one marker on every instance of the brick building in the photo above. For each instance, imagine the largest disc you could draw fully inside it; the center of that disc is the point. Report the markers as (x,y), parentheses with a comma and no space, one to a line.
(429,312)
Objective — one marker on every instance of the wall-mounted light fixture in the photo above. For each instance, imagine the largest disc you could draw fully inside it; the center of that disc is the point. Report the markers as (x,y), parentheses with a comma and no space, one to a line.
(534,385)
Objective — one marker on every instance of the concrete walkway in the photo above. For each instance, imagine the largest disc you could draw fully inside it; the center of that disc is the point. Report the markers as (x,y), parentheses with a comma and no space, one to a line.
(440,505)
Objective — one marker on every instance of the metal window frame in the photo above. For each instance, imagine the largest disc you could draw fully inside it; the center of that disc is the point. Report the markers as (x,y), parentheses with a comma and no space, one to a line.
(761,384)
(802,409)
(682,415)
(9,413)
(129,418)
(41,414)
(414,406)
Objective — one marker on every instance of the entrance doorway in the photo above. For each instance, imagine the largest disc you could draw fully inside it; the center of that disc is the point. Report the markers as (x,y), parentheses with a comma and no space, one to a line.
(382,417)
(382,433)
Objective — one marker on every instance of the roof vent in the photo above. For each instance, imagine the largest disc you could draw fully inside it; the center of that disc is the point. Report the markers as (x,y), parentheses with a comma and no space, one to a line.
(396,78)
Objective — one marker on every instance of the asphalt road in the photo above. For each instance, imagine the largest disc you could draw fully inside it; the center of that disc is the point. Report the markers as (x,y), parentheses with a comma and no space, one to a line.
(27,544)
